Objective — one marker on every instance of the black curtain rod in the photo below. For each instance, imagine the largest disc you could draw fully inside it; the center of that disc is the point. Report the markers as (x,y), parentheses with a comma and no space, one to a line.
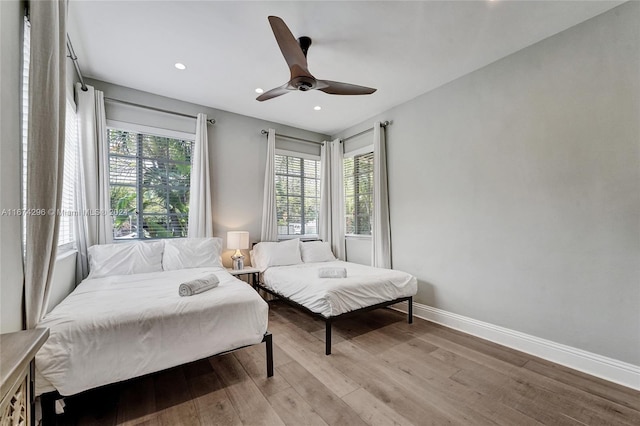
(265,132)
(166,111)
(383,124)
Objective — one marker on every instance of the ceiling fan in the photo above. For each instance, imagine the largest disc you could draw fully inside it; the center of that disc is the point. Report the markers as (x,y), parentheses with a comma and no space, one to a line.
(295,53)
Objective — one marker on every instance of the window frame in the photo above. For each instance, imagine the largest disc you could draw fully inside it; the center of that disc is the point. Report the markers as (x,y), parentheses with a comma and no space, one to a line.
(303,156)
(143,130)
(353,154)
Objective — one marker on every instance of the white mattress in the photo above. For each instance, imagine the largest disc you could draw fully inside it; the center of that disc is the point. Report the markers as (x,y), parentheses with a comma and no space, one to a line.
(363,286)
(116,328)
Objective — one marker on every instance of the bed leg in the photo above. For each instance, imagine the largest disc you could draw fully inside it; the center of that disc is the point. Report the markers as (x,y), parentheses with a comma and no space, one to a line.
(48,406)
(410,310)
(268,339)
(327,350)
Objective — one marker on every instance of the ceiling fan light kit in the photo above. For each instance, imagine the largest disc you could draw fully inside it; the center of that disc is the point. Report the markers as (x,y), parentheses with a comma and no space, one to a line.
(295,54)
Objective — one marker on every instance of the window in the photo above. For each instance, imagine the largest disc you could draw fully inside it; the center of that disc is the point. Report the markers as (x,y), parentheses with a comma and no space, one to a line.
(149,177)
(66,237)
(297,195)
(358,194)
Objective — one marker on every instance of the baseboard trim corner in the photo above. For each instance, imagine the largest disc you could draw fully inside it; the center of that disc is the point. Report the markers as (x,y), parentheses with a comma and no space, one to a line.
(610,369)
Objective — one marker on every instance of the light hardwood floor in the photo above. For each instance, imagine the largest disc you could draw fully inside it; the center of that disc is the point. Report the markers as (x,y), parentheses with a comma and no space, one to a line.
(383,371)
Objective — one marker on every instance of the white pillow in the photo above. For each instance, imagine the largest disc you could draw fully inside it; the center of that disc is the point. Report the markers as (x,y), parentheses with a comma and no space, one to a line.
(276,254)
(316,251)
(125,258)
(184,253)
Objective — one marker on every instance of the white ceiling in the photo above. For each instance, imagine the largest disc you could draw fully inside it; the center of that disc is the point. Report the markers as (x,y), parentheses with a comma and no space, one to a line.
(403,48)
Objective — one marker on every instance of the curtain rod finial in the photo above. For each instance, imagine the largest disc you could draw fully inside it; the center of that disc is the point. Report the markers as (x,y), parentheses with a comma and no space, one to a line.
(211,121)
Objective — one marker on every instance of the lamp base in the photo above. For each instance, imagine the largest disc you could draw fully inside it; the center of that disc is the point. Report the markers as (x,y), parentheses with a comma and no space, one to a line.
(238,260)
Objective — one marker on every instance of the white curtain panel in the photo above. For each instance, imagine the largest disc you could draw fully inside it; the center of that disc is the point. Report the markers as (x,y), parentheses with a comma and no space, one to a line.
(337,199)
(200,197)
(269,219)
(381,229)
(324,219)
(45,145)
(92,182)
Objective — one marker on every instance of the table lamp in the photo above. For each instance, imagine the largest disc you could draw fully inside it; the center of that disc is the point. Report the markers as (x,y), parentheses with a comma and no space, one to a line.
(238,240)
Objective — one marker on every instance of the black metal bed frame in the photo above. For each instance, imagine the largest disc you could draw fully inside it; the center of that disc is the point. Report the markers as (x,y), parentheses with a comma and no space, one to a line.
(48,400)
(329,320)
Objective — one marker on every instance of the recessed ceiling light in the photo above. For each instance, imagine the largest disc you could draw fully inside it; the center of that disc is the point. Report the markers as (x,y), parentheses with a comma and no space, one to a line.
(317,107)
(180,66)
(259,90)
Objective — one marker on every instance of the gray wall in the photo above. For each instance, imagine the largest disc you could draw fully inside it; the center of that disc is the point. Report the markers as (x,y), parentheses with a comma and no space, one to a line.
(11,277)
(515,190)
(237,153)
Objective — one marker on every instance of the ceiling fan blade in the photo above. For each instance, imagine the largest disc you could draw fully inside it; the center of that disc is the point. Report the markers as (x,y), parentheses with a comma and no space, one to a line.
(337,88)
(289,47)
(274,93)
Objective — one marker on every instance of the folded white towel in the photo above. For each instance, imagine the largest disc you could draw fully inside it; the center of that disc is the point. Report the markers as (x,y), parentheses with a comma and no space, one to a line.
(332,272)
(198,286)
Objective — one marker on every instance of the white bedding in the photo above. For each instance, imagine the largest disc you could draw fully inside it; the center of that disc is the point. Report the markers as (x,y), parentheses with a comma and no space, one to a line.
(364,286)
(116,328)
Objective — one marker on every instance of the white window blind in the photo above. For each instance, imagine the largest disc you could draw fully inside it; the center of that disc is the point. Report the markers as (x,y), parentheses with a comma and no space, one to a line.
(149,178)
(26,52)
(66,237)
(297,195)
(358,194)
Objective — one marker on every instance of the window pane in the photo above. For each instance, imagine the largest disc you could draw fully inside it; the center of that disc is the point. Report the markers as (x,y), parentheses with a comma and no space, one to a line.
(122,143)
(297,195)
(294,185)
(159,169)
(122,171)
(358,191)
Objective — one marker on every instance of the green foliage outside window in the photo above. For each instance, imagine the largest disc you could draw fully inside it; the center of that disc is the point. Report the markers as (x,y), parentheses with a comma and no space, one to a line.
(297,195)
(358,194)
(149,180)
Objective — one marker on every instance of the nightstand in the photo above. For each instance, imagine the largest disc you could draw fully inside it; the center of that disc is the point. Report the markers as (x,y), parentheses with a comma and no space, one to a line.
(253,273)
(17,354)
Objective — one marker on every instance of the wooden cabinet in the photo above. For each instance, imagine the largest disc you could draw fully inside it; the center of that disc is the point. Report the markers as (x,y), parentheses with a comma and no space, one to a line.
(17,353)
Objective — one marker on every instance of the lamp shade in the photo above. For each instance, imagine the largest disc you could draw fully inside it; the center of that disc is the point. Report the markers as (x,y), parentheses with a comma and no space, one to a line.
(238,240)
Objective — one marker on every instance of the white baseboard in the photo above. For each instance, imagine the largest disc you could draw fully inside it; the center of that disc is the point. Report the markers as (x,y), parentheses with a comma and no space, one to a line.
(609,369)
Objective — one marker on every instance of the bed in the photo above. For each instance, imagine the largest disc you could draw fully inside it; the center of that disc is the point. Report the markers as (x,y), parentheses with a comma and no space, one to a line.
(290,271)
(127,316)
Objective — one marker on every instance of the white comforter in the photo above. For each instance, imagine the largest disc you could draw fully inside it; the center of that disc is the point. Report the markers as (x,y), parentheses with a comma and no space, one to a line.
(116,328)
(364,286)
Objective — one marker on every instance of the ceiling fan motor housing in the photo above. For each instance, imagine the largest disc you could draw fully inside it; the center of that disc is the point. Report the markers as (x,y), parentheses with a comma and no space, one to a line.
(303,83)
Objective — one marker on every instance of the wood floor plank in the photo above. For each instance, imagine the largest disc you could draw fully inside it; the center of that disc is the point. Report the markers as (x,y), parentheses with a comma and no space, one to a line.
(416,352)
(254,364)
(137,402)
(329,406)
(249,403)
(209,396)
(593,385)
(606,409)
(315,362)
(173,401)
(376,342)
(372,410)
(486,402)
(294,409)
(374,376)
(485,347)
